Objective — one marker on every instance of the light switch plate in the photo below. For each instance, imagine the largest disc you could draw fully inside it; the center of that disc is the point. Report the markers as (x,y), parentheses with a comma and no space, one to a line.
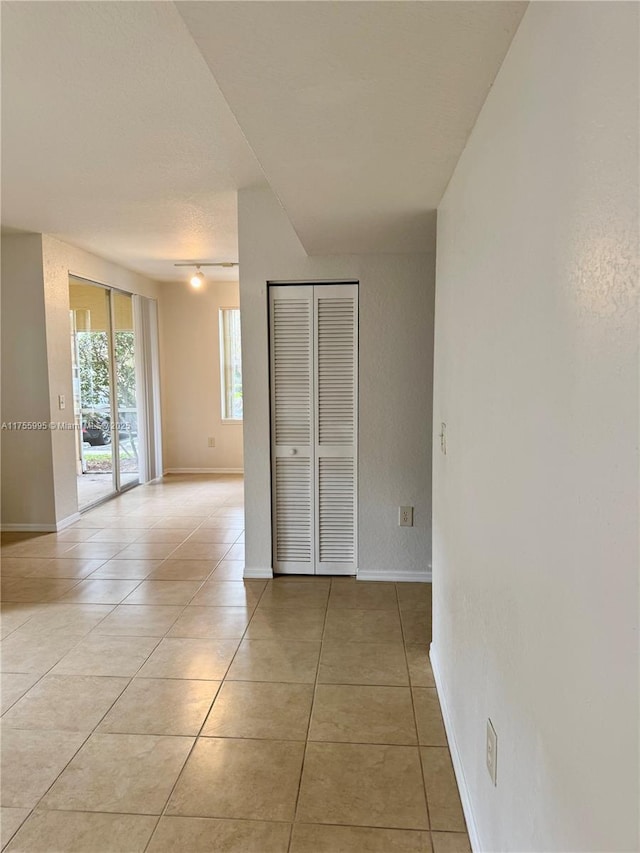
(492,752)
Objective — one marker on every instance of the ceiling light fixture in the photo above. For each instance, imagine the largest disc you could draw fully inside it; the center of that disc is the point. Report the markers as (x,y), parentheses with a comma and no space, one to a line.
(198,279)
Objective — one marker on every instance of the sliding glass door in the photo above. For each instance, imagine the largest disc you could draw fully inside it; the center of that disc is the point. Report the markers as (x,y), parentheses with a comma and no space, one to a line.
(104,383)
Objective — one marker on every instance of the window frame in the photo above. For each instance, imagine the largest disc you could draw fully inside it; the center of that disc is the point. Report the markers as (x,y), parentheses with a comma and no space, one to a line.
(223,364)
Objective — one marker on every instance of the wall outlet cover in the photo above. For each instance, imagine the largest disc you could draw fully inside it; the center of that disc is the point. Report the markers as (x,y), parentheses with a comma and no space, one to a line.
(405,516)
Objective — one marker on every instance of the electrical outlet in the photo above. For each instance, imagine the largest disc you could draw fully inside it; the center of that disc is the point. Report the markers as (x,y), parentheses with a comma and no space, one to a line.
(492,752)
(62,402)
(405,516)
(211,442)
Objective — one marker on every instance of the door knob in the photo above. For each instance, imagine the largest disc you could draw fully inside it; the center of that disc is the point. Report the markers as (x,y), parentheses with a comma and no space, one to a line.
(293,451)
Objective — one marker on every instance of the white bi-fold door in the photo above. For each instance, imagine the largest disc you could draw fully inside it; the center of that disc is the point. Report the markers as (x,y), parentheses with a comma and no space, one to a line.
(314,427)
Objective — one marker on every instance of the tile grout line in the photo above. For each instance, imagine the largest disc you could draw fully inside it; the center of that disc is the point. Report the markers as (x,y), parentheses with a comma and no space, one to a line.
(415,720)
(90,733)
(313,703)
(254,608)
(163,813)
(130,679)
(94,730)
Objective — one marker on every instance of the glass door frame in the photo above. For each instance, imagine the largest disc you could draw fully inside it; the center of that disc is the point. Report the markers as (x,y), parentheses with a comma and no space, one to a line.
(116,438)
(118,487)
(115,415)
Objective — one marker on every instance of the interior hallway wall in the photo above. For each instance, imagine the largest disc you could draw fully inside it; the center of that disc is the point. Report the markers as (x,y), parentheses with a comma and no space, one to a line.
(395,367)
(27,462)
(190,357)
(40,488)
(536,502)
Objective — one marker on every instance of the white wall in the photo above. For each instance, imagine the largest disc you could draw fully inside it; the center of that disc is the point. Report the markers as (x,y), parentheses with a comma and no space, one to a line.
(536,503)
(60,259)
(35,274)
(396,321)
(27,464)
(190,353)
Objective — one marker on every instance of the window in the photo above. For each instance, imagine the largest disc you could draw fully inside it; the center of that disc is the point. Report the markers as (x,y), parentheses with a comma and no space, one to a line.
(230,364)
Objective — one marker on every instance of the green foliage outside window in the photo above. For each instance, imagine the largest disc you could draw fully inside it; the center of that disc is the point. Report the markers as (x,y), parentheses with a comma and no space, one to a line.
(93,363)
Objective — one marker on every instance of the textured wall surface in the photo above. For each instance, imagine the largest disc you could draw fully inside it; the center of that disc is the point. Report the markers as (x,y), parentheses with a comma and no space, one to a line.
(190,354)
(27,466)
(536,502)
(396,322)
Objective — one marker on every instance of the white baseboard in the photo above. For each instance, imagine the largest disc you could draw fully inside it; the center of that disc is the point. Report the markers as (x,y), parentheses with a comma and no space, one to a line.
(204,470)
(41,528)
(258,573)
(465,797)
(399,577)
(267,572)
(68,521)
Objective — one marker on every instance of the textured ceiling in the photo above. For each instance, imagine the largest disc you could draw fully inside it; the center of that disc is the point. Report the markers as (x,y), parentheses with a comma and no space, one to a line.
(121,136)
(115,136)
(357,112)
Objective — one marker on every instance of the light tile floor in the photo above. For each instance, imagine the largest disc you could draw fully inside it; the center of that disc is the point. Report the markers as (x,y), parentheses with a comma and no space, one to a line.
(154,701)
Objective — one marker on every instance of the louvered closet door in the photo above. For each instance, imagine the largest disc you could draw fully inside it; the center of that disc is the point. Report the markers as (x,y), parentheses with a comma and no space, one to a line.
(291,321)
(336,428)
(314,427)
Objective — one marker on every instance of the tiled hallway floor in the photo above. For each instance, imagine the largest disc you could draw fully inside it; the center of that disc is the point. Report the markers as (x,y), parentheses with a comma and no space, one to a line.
(154,701)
